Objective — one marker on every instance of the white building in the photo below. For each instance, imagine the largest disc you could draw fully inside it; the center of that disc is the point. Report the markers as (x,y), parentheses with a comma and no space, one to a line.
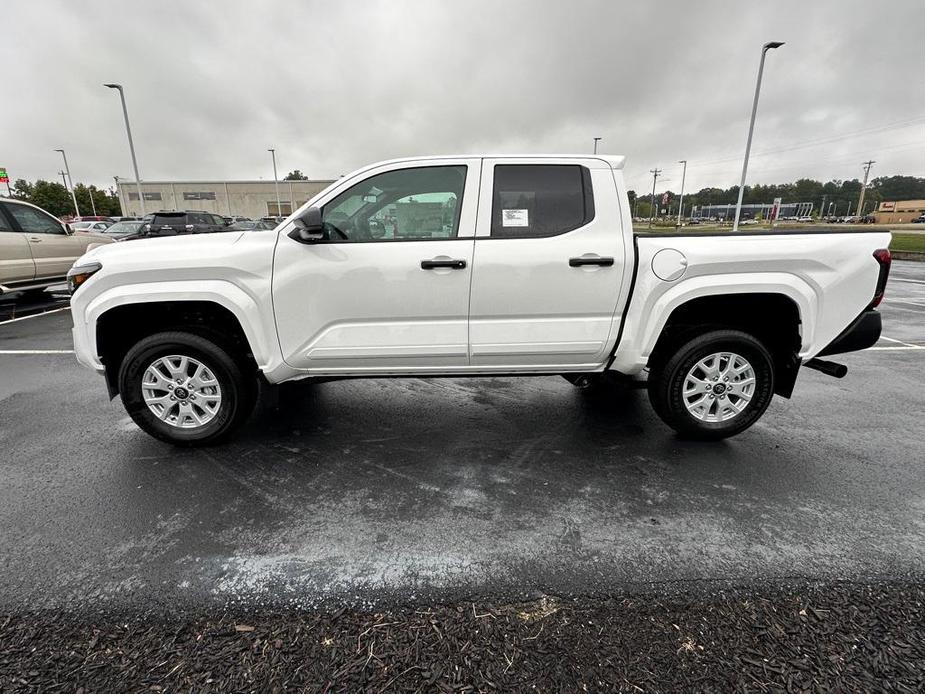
(252,199)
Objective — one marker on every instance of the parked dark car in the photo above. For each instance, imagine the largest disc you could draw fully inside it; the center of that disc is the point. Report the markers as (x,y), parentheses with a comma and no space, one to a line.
(125,228)
(185,222)
(919,220)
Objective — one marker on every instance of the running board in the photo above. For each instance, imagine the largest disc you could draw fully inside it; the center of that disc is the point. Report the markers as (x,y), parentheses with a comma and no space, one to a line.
(829,368)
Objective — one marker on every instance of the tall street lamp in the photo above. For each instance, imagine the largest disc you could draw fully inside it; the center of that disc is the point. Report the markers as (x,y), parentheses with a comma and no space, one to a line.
(279,207)
(681,197)
(68,172)
(596,140)
(751,128)
(131,145)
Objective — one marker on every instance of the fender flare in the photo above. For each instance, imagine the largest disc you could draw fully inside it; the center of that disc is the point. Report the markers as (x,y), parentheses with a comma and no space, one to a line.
(633,353)
(241,305)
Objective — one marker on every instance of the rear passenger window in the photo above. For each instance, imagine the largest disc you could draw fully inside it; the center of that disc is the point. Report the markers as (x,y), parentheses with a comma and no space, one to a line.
(4,222)
(534,200)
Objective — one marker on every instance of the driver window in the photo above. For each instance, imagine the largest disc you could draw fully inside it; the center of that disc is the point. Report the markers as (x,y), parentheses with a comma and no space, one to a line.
(33,221)
(404,204)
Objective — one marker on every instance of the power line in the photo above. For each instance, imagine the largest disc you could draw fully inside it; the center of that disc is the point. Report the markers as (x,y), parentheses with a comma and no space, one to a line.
(827,140)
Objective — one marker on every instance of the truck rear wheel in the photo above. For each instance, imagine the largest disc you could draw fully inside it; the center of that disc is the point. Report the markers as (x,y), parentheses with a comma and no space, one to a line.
(185,389)
(714,385)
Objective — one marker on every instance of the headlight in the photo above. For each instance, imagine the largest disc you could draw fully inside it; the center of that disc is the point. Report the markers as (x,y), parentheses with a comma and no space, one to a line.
(77,275)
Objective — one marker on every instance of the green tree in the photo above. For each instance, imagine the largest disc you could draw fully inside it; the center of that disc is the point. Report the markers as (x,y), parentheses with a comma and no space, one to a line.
(295,176)
(52,197)
(106,203)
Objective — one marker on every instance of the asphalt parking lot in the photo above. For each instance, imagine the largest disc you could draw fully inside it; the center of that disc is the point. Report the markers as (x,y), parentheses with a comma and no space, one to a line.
(368,492)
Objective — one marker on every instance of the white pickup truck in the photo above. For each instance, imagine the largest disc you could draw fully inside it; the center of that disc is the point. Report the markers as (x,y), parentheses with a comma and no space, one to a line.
(472,266)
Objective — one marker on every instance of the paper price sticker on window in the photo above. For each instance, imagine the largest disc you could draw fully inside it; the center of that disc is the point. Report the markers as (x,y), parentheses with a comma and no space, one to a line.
(515,218)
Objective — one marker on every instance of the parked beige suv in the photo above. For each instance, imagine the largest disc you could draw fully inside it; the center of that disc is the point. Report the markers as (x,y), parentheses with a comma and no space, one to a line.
(37,250)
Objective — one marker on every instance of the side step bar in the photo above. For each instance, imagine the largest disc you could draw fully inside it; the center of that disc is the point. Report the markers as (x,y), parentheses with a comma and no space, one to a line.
(829,368)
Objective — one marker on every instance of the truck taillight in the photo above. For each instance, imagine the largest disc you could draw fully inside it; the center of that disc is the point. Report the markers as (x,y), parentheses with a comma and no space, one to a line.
(883,257)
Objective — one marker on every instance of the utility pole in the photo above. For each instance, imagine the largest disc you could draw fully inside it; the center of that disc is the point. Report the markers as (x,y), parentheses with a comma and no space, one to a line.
(63,178)
(822,207)
(596,139)
(68,171)
(867,165)
(681,197)
(655,173)
(131,146)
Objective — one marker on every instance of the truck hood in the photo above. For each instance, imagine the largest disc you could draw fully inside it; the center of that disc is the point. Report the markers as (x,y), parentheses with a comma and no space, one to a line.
(170,251)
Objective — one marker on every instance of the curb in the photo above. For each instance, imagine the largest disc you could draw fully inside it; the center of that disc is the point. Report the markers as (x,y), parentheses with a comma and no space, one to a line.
(908,255)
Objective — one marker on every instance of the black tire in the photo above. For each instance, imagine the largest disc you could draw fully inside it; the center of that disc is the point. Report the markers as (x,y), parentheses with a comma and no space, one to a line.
(238,388)
(667,376)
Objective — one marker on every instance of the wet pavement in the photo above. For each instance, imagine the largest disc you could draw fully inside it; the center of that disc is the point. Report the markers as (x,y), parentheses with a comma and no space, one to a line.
(370,492)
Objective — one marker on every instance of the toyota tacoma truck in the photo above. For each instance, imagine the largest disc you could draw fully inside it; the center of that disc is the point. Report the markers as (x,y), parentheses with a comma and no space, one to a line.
(473,266)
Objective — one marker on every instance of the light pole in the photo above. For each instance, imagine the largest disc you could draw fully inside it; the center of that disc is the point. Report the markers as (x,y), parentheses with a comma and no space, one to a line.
(279,208)
(596,140)
(751,128)
(681,197)
(68,172)
(131,146)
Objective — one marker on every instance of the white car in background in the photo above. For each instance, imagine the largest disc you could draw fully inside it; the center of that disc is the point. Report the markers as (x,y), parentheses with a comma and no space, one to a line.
(84,227)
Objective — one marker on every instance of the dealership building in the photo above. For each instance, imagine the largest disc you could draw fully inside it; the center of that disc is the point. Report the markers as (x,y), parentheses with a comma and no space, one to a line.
(253,199)
(900,211)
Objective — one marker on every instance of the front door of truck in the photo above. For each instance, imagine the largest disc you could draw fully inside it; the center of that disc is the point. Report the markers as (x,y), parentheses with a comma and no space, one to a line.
(548,264)
(387,289)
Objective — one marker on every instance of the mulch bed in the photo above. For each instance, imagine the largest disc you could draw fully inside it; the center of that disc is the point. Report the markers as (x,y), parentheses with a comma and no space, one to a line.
(840,636)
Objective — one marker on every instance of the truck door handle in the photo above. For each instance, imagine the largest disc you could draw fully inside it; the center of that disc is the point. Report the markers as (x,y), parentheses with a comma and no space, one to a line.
(35,239)
(455,264)
(579,262)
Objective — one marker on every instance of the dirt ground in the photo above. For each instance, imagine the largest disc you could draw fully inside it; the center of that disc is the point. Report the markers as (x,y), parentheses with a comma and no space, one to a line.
(841,636)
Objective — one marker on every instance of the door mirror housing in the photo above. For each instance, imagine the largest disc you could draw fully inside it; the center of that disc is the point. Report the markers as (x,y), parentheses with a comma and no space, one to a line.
(308,227)
(68,229)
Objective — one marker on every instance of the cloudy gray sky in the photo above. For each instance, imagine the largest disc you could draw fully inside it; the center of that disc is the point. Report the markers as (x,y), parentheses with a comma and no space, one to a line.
(334,85)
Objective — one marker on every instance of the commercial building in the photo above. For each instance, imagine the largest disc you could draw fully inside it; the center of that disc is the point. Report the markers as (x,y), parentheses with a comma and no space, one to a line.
(899,211)
(752,211)
(253,199)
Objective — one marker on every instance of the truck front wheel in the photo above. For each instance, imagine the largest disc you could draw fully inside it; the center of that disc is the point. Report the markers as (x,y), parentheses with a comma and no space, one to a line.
(185,389)
(714,385)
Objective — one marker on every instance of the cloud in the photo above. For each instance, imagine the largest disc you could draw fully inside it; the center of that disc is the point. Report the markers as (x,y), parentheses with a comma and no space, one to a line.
(336,85)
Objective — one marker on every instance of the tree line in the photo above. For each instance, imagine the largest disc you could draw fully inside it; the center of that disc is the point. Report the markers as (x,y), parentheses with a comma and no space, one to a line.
(838,192)
(53,197)
(56,199)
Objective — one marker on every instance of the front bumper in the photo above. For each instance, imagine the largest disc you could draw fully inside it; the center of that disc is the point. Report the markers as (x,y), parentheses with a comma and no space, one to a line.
(861,334)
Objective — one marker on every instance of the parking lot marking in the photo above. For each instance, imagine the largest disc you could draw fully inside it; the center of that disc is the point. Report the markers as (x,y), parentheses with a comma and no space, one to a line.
(900,279)
(898,342)
(36,351)
(904,348)
(34,315)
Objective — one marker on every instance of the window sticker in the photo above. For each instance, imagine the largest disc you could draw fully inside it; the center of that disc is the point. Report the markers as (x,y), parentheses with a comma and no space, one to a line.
(515,218)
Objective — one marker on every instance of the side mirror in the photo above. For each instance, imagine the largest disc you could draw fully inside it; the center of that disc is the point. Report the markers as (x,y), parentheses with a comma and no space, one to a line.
(308,228)
(68,229)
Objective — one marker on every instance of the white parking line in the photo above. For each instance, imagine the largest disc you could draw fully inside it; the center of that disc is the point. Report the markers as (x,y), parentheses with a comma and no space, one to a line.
(34,315)
(898,342)
(36,351)
(905,348)
(900,279)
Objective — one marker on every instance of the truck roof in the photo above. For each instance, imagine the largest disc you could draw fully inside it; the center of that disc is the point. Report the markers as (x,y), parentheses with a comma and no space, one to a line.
(614,161)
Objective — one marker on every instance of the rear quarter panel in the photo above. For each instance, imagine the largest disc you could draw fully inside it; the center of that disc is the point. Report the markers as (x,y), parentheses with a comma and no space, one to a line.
(830,276)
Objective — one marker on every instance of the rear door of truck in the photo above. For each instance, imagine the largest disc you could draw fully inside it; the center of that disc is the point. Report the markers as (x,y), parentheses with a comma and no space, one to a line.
(548,264)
